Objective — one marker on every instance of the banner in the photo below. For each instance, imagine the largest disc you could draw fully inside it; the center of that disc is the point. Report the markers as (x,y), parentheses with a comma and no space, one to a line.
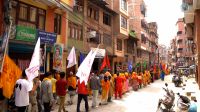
(71,58)
(25,33)
(33,70)
(42,58)
(3,49)
(57,57)
(47,37)
(10,74)
(85,67)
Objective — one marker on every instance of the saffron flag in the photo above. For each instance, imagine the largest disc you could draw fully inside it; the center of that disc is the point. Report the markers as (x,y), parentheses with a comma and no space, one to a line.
(71,58)
(85,67)
(10,74)
(33,70)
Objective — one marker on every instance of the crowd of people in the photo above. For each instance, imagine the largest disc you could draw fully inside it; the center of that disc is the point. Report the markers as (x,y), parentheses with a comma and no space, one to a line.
(53,88)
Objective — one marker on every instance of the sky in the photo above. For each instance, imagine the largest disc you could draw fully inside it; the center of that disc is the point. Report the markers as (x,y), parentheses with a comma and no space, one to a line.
(166,14)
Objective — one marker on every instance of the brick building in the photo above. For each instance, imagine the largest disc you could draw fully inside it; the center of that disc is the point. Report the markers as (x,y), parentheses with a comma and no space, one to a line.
(191,10)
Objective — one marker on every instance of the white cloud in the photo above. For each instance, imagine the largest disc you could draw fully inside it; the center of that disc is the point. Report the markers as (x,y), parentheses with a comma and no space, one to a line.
(166,14)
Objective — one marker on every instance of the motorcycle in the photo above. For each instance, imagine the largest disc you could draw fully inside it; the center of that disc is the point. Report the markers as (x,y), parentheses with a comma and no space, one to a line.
(177,80)
(183,103)
(167,103)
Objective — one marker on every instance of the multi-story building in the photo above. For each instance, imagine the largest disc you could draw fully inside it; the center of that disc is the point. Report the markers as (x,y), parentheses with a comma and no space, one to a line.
(91,25)
(191,10)
(30,17)
(163,54)
(184,51)
(138,24)
(153,43)
(172,54)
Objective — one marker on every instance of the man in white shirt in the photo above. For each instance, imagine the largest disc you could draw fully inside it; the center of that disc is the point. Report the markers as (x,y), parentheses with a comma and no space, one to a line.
(22,90)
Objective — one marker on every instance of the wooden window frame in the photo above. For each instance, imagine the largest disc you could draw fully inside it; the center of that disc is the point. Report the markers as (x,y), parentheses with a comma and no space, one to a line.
(57,23)
(77,31)
(119,47)
(108,17)
(36,23)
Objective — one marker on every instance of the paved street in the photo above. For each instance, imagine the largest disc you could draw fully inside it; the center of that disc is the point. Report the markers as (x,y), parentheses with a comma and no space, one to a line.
(144,100)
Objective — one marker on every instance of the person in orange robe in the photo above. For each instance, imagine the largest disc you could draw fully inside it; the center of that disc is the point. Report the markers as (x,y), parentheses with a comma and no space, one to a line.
(119,81)
(140,79)
(105,89)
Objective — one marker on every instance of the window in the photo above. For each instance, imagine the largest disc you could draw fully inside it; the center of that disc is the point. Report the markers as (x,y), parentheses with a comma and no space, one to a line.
(57,23)
(93,13)
(28,15)
(89,12)
(96,15)
(143,38)
(123,5)
(119,44)
(23,11)
(106,19)
(75,31)
(107,40)
(123,22)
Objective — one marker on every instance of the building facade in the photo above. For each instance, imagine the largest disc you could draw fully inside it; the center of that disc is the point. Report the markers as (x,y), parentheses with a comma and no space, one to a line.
(30,17)
(191,10)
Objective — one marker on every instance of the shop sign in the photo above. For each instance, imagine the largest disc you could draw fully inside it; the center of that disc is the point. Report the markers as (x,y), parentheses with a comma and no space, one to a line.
(47,37)
(100,52)
(25,33)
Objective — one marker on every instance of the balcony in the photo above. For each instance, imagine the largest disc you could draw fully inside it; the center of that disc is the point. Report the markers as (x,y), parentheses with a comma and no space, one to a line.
(180,46)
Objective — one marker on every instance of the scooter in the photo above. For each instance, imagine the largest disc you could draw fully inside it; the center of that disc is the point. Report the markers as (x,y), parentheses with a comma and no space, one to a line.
(183,103)
(166,103)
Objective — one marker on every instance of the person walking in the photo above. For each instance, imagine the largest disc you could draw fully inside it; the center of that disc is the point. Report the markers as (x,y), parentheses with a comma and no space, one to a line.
(22,90)
(46,92)
(33,95)
(105,88)
(118,86)
(82,94)
(61,87)
(95,85)
(110,93)
(71,83)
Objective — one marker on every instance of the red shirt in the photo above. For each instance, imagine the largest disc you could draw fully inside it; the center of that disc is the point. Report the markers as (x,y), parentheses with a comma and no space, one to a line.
(61,86)
(82,88)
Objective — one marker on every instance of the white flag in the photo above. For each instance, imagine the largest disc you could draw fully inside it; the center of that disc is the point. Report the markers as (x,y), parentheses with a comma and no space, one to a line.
(34,67)
(71,58)
(85,67)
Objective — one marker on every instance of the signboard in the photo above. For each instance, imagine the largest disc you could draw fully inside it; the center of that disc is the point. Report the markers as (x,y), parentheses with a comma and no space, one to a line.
(100,52)
(57,57)
(47,37)
(25,33)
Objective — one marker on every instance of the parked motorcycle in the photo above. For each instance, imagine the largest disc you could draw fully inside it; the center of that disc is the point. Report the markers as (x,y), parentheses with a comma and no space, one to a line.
(166,103)
(183,103)
(177,80)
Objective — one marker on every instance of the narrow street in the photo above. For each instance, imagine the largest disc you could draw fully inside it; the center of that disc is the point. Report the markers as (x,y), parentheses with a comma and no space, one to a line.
(144,100)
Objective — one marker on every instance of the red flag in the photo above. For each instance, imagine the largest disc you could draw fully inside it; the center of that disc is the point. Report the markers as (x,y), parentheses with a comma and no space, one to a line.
(108,62)
(104,63)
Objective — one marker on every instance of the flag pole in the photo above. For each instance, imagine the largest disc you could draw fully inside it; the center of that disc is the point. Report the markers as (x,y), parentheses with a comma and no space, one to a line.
(8,35)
